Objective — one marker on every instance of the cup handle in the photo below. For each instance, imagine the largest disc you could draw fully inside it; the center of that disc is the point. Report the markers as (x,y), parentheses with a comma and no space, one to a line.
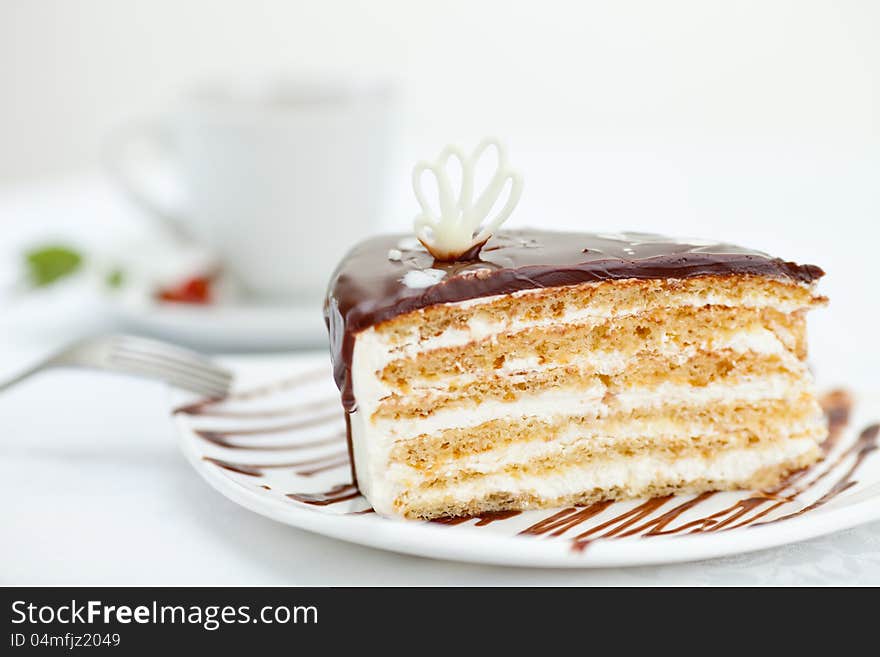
(133,172)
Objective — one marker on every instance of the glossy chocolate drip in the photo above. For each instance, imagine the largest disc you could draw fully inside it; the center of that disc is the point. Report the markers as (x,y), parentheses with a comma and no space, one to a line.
(367,288)
(350,446)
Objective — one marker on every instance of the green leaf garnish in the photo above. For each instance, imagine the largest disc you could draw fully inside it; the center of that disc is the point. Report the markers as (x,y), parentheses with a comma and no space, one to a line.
(47,264)
(115,278)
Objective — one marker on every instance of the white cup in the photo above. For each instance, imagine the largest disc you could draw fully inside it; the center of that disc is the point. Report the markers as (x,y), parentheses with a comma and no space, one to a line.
(279,180)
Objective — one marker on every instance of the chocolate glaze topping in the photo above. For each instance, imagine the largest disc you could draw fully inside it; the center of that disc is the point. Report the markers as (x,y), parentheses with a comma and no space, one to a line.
(369,285)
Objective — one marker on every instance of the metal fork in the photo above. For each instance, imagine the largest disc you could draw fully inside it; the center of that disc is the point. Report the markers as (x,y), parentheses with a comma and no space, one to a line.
(128,354)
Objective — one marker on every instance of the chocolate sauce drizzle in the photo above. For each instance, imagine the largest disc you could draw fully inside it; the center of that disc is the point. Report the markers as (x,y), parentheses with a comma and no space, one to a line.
(314,465)
(208,406)
(482,520)
(221,439)
(337,494)
(211,410)
(303,467)
(561,522)
(305,423)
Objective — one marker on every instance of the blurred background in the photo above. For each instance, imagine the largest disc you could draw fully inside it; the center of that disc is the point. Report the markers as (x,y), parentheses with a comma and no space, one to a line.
(751,122)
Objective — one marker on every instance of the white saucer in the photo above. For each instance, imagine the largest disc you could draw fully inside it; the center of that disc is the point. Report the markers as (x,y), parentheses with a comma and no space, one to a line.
(277,447)
(223,327)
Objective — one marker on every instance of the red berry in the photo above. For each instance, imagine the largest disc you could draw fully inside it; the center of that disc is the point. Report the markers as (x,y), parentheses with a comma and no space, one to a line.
(193,290)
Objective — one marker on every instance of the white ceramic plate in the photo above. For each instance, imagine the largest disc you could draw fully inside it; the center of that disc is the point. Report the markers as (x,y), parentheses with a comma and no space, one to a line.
(277,447)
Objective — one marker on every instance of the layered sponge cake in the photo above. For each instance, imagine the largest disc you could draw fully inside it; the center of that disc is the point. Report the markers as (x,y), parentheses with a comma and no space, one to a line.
(567,368)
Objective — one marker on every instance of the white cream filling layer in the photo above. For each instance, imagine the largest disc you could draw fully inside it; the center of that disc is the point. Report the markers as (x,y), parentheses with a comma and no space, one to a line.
(371,356)
(565,444)
(631,474)
(589,401)
(760,341)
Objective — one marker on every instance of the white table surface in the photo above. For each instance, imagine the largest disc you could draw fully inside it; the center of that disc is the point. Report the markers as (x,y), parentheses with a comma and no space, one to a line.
(94,491)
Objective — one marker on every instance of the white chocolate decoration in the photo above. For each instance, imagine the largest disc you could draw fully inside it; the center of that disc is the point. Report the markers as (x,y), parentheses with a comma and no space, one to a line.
(421,278)
(464,224)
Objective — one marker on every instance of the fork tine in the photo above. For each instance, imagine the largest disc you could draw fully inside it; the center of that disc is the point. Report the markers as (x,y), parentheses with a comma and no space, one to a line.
(162,350)
(198,388)
(131,361)
(176,365)
(155,346)
(165,354)
(177,379)
(212,375)
(213,392)
(143,357)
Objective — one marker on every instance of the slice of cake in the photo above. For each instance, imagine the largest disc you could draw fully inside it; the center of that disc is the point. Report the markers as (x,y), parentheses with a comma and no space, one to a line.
(537,369)
(564,368)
